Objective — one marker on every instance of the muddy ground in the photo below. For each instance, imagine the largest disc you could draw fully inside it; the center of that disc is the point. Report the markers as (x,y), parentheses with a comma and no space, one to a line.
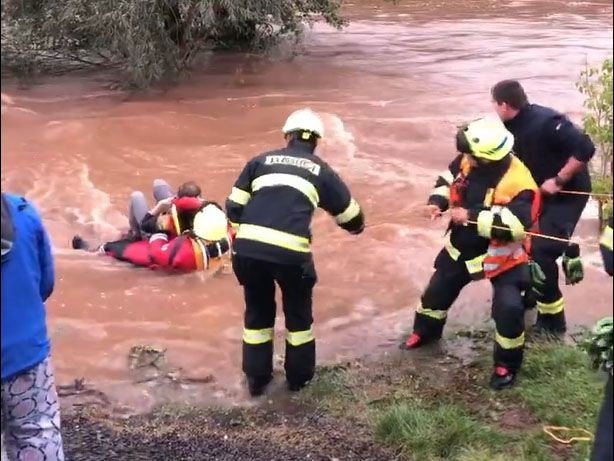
(332,419)
(325,422)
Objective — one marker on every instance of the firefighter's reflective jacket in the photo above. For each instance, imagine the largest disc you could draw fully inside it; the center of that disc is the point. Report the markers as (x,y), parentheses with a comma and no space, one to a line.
(273,200)
(504,201)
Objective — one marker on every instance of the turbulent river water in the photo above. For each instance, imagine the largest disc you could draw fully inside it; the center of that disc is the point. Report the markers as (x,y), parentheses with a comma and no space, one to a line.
(391,88)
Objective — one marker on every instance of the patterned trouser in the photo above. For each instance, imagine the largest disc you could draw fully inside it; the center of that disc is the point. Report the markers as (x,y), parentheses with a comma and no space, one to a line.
(31,410)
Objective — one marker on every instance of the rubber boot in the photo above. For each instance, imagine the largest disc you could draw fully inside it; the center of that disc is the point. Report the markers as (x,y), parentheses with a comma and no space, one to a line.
(550,326)
(257,384)
(502,378)
(414,341)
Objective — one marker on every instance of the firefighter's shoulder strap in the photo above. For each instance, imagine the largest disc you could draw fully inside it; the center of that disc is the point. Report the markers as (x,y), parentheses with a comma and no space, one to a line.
(516,179)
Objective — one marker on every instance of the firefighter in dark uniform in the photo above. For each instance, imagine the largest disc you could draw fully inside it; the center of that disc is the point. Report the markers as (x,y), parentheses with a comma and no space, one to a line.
(493,201)
(602,448)
(557,154)
(271,206)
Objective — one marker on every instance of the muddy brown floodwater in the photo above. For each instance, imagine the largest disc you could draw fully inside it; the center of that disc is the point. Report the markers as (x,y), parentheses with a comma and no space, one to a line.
(391,88)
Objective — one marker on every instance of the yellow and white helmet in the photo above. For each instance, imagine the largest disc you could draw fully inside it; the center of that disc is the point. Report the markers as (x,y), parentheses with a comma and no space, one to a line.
(304,120)
(485,138)
(210,223)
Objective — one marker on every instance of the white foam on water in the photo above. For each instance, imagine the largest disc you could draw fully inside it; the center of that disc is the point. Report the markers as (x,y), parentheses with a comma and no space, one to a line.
(339,138)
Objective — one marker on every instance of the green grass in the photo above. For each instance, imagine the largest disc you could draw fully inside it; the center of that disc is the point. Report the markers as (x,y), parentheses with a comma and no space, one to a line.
(331,389)
(431,431)
(559,388)
(556,387)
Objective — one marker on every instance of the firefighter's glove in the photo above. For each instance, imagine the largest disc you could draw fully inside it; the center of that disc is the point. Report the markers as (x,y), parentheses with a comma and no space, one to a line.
(538,278)
(572,265)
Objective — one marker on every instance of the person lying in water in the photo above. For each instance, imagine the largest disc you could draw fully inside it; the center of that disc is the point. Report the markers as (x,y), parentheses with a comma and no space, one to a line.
(182,232)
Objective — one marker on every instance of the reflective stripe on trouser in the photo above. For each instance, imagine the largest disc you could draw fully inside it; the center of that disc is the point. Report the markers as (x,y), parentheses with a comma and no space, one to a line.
(441,292)
(259,292)
(474,266)
(552,308)
(296,282)
(558,218)
(300,356)
(550,302)
(508,314)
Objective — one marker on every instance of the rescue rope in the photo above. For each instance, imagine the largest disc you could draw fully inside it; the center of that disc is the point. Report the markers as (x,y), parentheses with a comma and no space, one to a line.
(587,437)
(590,194)
(532,234)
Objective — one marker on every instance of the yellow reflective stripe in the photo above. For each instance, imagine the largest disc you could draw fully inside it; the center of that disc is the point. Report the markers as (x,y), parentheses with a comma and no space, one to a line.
(475,265)
(257,336)
(298,338)
(273,237)
(509,343)
(510,220)
(606,238)
(290,180)
(239,196)
(551,308)
(447,176)
(432,313)
(352,210)
(175,217)
(485,219)
(452,251)
(234,225)
(442,191)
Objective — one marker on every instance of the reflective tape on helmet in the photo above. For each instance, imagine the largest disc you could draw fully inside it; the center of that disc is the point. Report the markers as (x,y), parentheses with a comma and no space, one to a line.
(606,238)
(352,210)
(509,343)
(442,191)
(239,196)
(298,338)
(432,313)
(274,237)
(553,308)
(290,180)
(253,337)
(485,220)
(511,221)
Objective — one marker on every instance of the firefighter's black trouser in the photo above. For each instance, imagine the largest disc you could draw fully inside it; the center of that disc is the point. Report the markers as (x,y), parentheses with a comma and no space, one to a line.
(296,282)
(602,448)
(449,279)
(559,217)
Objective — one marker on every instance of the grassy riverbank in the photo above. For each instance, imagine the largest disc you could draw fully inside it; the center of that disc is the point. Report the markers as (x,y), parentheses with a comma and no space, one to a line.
(430,405)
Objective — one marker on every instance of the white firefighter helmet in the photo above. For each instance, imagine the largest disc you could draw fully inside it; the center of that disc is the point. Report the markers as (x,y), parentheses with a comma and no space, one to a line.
(304,120)
(210,223)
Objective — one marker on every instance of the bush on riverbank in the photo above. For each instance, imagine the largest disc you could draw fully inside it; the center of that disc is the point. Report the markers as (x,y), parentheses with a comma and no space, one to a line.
(149,41)
(596,85)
